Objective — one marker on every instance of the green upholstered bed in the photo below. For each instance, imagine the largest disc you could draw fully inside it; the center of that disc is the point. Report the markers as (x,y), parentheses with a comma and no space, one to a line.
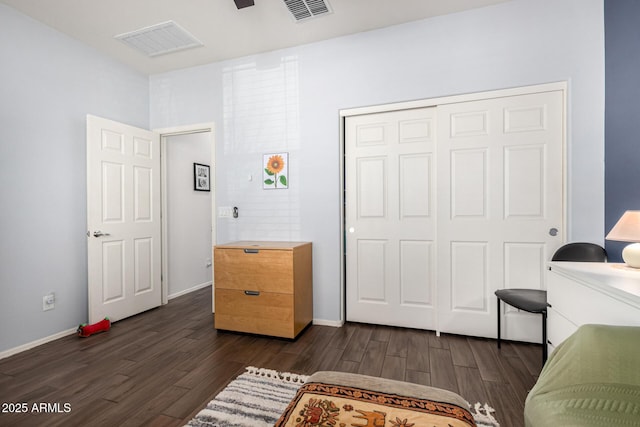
(591,379)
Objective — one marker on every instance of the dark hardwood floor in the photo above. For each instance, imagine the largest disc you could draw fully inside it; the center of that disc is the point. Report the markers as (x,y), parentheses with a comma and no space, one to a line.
(161,367)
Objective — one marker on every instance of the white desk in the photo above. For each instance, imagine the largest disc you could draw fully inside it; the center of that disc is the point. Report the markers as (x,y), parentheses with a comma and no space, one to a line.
(590,292)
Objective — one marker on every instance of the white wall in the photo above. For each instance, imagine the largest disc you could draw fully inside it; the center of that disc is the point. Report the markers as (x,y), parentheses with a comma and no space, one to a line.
(289,101)
(188,213)
(48,84)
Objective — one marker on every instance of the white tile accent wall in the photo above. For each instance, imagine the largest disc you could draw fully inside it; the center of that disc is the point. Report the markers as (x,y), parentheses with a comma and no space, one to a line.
(261,116)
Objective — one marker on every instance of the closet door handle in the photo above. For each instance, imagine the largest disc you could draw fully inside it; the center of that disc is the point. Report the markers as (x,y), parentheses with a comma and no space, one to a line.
(252,293)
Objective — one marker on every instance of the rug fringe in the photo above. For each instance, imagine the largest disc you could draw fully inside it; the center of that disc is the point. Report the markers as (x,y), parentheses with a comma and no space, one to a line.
(482,413)
(285,376)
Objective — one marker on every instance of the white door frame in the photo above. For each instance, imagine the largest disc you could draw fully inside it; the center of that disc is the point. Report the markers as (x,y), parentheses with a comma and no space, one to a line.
(523,90)
(164,133)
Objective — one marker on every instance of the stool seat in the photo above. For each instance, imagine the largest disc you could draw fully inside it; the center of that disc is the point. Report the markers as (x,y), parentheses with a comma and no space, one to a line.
(531,300)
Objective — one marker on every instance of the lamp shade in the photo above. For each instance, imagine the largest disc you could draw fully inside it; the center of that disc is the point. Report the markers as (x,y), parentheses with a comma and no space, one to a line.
(627,229)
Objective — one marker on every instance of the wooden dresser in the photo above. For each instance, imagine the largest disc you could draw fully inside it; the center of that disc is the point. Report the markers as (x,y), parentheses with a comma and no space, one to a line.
(590,292)
(263,287)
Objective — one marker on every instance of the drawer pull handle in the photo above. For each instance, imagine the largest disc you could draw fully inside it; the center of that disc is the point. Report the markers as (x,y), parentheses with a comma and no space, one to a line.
(251,251)
(252,293)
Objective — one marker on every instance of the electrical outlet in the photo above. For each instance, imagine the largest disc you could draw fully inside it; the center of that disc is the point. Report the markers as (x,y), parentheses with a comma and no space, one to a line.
(48,302)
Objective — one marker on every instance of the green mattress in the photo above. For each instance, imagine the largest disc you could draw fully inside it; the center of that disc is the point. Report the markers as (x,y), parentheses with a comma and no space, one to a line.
(591,379)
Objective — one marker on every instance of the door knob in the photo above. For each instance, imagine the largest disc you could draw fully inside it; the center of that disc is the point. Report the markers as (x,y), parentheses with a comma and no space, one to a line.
(100,234)
(553,232)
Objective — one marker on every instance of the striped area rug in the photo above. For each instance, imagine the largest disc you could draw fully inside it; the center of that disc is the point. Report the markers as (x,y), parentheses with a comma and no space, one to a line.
(255,398)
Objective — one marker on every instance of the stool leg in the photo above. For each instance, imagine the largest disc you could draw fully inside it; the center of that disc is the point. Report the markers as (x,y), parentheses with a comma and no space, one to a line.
(544,337)
(498,322)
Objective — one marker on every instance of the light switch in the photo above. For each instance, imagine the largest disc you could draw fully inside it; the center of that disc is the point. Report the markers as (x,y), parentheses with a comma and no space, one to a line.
(225,212)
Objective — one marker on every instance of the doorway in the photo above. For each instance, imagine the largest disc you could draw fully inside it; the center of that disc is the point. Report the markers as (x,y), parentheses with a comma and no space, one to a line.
(126,216)
(188,215)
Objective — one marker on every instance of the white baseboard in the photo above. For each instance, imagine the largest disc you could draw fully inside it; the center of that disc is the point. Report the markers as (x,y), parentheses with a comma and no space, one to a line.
(32,344)
(334,323)
(191,289)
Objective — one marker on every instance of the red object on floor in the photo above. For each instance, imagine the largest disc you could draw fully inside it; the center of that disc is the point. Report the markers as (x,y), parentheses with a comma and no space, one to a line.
(85,330)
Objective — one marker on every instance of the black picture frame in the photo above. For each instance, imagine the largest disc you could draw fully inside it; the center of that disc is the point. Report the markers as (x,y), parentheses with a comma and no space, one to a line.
(201,177)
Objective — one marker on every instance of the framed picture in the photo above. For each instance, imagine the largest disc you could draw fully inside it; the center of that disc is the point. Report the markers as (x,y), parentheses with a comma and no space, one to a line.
(201,177)
(275,171)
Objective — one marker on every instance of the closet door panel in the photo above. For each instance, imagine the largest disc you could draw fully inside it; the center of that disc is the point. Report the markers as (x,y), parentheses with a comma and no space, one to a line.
(389,210)
(500,188)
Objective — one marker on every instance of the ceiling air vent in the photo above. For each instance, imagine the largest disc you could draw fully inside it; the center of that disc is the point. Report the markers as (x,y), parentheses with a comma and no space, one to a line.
(160,39)
(307,9)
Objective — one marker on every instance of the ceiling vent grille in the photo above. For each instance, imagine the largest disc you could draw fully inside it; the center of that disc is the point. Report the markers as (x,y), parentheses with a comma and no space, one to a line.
(307,9)
(160,39)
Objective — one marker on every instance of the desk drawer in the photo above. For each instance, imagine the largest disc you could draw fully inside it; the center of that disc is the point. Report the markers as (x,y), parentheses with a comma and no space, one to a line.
(263,313)
(583,304)
(263,270)
(559,328)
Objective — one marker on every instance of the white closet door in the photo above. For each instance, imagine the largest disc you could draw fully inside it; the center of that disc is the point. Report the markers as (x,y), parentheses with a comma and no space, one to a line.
(390,228)
(500,196)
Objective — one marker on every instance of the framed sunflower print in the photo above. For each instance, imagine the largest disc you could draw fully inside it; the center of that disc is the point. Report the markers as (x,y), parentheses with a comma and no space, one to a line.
(275,171)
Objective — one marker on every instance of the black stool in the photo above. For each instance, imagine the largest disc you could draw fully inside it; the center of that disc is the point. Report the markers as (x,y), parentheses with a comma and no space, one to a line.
(531,300)
(535,300)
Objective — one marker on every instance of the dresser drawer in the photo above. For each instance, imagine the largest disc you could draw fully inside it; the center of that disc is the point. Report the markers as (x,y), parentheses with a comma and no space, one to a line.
(579,302)
(559,328)
(263,270)
(263,313)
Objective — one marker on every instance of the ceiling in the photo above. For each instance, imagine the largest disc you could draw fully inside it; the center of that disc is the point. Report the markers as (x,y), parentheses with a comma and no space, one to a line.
(225,31)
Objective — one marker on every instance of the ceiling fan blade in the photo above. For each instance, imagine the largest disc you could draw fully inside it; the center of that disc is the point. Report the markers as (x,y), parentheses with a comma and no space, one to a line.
(243,3)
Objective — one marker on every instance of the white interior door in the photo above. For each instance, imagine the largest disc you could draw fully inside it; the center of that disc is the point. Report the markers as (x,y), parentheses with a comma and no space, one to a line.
(123,219)
(500,192)
(389,214)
